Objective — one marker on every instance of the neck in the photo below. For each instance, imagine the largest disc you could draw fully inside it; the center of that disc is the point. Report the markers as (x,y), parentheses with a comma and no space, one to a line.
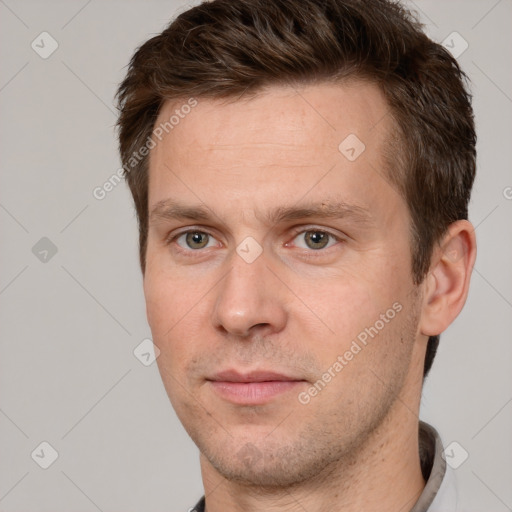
(383,473)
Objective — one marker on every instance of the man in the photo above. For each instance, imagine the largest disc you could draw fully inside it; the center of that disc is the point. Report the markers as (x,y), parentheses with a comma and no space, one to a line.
(301,172)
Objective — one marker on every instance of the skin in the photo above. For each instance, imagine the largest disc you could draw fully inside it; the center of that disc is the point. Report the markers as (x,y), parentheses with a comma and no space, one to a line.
(353,446)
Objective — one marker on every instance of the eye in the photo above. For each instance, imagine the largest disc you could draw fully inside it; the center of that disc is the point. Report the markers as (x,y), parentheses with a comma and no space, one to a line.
(314,239)
(195,240)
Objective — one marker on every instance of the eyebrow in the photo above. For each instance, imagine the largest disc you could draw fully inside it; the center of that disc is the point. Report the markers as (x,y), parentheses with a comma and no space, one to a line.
(168,209)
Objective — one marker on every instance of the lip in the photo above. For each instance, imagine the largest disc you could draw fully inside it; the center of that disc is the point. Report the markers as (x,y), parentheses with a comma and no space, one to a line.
(254,376)
(253,388)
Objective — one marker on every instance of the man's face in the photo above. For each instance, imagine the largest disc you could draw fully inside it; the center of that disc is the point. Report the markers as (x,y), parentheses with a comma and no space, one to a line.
(258,288)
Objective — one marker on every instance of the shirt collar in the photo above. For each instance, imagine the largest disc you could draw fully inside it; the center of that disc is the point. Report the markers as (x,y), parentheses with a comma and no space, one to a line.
(440,492)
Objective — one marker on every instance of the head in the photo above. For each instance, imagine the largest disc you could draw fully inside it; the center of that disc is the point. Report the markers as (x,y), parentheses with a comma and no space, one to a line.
(245,109)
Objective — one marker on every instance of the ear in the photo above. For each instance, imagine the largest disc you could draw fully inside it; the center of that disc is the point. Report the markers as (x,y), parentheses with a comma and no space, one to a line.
(447,283)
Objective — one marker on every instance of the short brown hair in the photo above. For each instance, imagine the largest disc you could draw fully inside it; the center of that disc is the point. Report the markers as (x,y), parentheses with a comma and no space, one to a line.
(226,48)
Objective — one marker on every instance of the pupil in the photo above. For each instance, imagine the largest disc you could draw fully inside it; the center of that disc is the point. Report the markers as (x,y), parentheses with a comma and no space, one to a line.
(317,238)
(196,239)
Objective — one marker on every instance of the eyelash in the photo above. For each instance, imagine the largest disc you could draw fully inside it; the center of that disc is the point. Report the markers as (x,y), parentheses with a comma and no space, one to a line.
(306,254)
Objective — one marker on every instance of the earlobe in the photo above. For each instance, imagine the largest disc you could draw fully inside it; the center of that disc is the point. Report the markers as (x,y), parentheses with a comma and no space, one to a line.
(447,283)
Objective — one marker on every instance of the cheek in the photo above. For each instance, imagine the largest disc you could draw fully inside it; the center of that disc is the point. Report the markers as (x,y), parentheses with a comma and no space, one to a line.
(347,303)
(169,295)
(169,308)
(170,318)
(160,306)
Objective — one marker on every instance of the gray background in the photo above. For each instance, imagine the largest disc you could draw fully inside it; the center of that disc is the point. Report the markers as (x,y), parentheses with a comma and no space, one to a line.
(69,324)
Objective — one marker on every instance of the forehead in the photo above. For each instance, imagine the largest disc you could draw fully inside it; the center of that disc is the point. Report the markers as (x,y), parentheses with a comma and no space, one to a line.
(283,139)
(315,115)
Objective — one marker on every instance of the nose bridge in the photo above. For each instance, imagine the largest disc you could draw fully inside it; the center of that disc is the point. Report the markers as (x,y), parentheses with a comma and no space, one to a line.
(248,296)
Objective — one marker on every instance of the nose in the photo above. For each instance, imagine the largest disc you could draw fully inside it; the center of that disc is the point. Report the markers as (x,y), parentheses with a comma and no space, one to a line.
(249,300)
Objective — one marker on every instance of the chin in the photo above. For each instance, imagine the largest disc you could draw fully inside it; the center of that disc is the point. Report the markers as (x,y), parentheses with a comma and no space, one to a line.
(270,467)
